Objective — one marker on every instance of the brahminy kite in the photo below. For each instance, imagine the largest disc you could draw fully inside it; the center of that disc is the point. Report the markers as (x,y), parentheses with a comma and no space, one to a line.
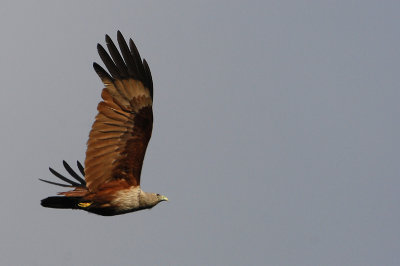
(117,141)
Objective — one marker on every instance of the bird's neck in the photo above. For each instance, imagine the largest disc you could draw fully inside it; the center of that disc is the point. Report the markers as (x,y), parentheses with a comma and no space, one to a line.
(147,199)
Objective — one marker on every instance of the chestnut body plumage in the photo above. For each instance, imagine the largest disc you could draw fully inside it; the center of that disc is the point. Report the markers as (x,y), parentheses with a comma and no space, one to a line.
(117,141)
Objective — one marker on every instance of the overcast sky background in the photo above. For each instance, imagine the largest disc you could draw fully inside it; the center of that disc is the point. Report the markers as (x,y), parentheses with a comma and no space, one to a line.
(276,134)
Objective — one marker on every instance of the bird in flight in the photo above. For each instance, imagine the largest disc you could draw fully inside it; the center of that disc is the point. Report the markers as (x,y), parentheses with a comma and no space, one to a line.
(117,141)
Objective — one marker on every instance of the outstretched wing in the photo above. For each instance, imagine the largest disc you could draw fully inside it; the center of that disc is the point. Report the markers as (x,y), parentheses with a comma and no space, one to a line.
(122,129)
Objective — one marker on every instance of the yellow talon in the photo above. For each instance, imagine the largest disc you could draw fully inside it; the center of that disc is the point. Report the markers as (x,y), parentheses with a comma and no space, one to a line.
(84,204)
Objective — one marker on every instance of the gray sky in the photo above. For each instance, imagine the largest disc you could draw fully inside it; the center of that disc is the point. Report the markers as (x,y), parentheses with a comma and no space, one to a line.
(275,137)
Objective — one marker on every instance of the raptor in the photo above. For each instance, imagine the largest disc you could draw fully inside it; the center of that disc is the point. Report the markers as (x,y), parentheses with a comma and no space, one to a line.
(110,181)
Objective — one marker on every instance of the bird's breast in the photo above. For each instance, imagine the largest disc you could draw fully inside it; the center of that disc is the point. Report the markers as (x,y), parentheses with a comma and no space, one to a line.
(127,199)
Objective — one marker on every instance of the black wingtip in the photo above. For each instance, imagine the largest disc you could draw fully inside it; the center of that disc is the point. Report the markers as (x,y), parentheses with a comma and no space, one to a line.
(55,183)
(149,78)
(108,39)
(119,34)
(125,63)
(63,178)
(81,168)
(101,72)
(73,173)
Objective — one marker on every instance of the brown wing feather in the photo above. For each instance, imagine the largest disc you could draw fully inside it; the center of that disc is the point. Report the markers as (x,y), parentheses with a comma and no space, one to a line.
(122,128)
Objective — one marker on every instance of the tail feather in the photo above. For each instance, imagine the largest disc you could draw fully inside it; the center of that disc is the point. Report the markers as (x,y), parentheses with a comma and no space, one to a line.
(61,202)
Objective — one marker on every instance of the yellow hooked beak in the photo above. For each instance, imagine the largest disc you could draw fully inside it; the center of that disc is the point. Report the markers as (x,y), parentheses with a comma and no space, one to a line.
(163,198)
